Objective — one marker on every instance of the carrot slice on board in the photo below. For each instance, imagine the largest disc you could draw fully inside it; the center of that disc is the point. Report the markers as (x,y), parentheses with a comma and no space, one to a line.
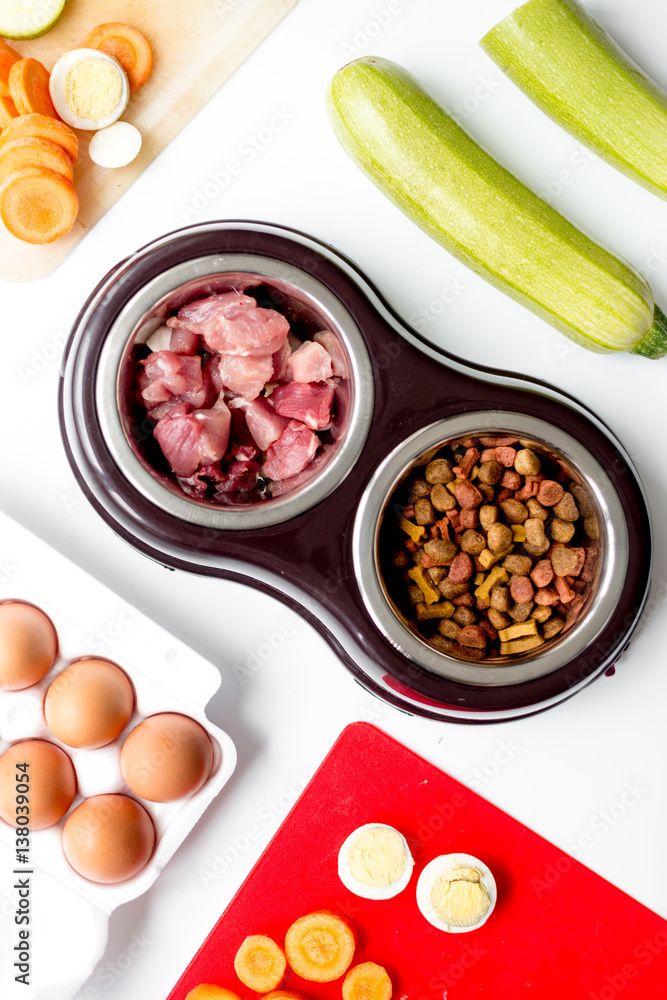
(260,963)
(29,88)
(128,46)
(285,995)
(7,111)
(37,205)
(29,151)
(8,56)
(320,946)
(206,991)
(367,982)
(43,127)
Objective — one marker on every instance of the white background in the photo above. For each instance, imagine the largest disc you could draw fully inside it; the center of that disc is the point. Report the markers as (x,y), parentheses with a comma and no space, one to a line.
(564,770)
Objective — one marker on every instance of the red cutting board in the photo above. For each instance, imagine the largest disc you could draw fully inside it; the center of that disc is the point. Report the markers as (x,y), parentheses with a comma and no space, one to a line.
(558,932)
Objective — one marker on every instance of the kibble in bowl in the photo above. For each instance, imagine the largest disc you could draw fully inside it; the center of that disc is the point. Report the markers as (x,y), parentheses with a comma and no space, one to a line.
(489,546)
(491,549)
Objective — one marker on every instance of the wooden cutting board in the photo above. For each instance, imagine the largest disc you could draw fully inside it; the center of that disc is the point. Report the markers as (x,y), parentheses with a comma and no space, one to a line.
(215,36)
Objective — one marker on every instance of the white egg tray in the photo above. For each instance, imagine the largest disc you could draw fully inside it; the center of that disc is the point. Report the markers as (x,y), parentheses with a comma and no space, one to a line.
(69,915)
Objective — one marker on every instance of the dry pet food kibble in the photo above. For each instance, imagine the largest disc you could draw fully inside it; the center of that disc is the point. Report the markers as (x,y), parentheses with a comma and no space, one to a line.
(495,548)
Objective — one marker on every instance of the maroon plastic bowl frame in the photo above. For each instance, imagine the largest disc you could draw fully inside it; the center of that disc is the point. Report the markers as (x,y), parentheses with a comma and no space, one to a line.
(307,562)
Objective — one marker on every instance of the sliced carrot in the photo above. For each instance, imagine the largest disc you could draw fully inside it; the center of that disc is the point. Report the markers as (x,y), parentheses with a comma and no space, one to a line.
(7,111)
(29,151)
(285,995)
(37,205)
(42,127)
(367,982)
(128,46)
(260,963)
(320,946)
(206,991)
(29,88)
(8,56)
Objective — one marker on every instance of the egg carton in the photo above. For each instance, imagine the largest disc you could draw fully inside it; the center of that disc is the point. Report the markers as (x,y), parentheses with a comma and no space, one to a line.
(69,915)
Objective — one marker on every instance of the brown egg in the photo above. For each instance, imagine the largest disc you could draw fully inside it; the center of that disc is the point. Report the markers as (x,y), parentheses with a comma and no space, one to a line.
(51,781)
(108,838)
(166,757)
(28,645)
(89,704)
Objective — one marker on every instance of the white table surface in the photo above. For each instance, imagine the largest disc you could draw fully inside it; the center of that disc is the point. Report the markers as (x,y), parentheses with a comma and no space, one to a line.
(589,774)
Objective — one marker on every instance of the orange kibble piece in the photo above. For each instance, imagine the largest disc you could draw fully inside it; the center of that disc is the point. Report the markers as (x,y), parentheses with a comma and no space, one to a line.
(260,963)
(320,946)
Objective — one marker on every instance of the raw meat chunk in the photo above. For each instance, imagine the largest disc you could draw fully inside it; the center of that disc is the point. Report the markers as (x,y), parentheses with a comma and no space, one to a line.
(264,424)
(189,440)
(233,324)
(291,453)
(308,402)
(246,374)
(310,363)
(166,374)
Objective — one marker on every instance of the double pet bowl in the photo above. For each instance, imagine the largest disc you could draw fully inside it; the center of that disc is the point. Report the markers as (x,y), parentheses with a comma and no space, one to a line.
(316,546)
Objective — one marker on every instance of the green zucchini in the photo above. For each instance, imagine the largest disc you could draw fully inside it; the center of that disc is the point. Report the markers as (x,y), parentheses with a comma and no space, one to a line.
(567,65)
(435,172)
(25,19)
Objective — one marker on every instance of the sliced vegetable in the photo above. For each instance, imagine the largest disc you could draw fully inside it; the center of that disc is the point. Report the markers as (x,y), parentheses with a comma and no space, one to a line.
(568,65)
(29,20)
(320,946)
(29,151)
(8,56)
(260,963)
(7,111)
(367,982)
(29,88)
(37,205)
(43,127)
(128,46)
(207,991)
(285,995)
(434,172)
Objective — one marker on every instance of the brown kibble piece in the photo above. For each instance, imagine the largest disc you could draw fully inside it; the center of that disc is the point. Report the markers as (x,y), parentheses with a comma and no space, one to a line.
(468,518)
(488,515)
(400,559)
(547,595)
(535,509)
(534,528)
(464,600)
(538,549)
(461,568)
(500,598)
(499,537)
(487,491)
(566,508)
(440,551)
(490,472)
(437,573)
(527,463)
(449,628)
(450,590)
(561,531)
(520,612)
(419,488)
(424,511)
(473,542)
(542,573)
(518,565)
(582,499)
(591,527)
(498,619)
(511,480)
(415,595)
(467,495)
(440,643)
(521,589)
(439,471)
(515,511)
(441,498)
(473,635)
(541,612)
(464,616)
(563,560)
(552,627)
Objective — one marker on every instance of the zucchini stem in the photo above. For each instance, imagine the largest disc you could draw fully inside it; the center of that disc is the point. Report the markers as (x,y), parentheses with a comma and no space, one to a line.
(654,342)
